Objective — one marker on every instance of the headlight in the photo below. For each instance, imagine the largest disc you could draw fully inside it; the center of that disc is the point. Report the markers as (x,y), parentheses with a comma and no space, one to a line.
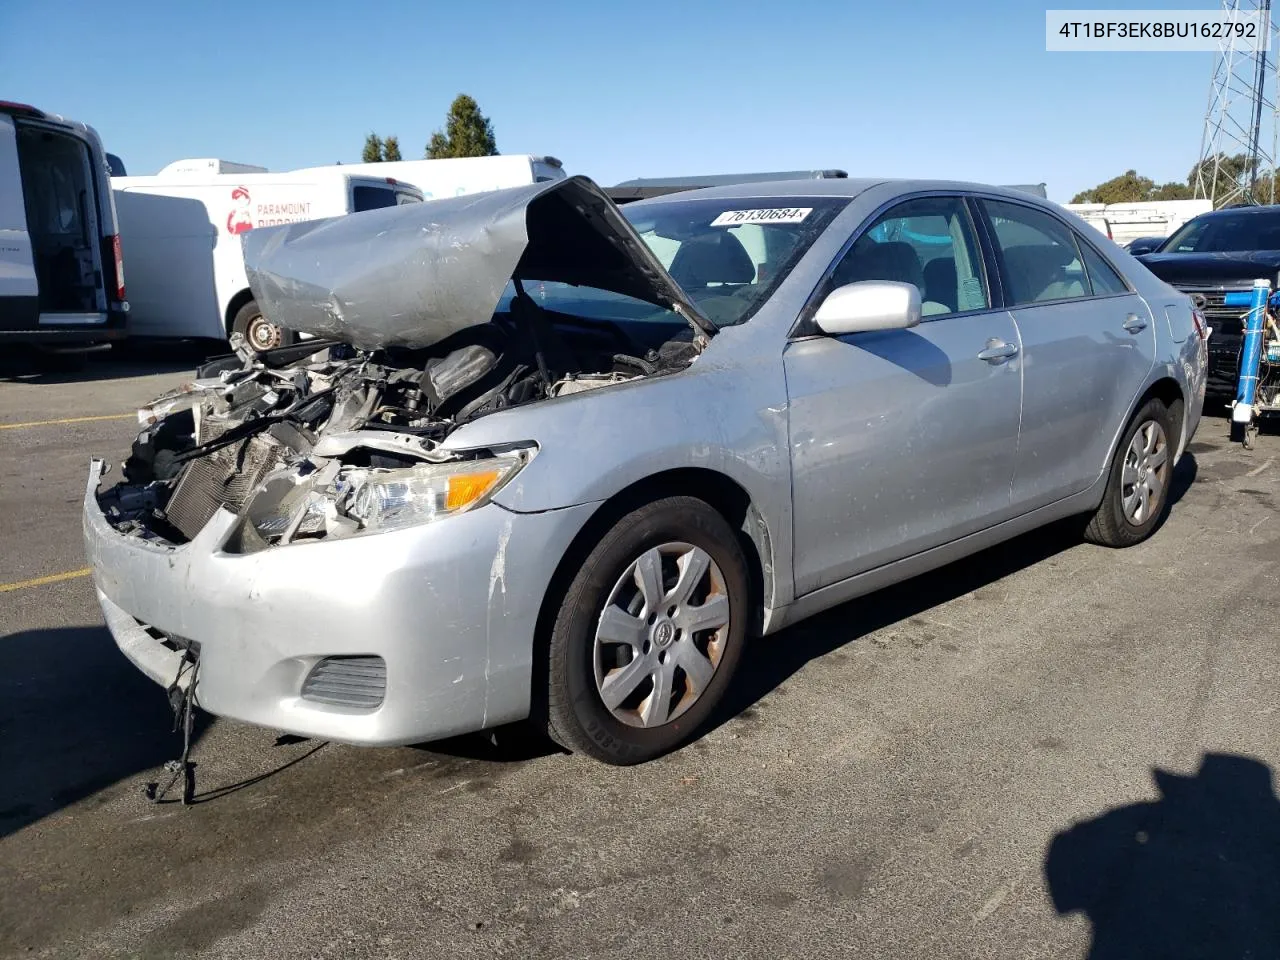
(391,499)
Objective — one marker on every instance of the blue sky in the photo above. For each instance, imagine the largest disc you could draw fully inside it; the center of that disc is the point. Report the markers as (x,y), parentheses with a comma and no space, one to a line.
(617,90)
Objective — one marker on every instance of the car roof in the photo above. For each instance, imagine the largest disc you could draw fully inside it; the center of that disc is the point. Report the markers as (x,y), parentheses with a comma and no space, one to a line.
(833,187)
(1248,210)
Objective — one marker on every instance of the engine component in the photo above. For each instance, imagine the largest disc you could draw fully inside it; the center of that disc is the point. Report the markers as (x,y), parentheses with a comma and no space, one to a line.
(586,381)
(224,478)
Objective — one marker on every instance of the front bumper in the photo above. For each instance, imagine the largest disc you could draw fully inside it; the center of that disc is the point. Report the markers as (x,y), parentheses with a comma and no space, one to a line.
(450,606)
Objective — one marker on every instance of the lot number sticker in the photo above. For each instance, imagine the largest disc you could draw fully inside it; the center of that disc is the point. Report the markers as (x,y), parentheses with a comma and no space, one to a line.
(732,218)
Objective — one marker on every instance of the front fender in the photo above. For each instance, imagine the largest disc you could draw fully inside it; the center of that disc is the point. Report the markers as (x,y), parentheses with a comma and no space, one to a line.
(729,417)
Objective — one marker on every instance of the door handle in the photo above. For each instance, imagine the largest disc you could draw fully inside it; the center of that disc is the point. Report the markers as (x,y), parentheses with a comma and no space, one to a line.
(1134,323)
(998,351)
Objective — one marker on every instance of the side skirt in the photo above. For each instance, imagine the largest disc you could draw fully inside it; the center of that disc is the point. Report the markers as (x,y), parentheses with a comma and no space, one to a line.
(837,593)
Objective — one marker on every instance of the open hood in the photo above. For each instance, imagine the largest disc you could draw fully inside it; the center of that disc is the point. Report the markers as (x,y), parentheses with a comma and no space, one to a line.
(411,275)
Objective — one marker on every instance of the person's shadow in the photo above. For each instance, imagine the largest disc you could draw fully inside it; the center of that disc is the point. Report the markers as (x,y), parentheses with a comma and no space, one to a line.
(1195,873)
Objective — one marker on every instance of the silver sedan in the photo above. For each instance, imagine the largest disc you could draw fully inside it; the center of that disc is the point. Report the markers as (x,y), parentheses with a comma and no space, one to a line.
(547,458)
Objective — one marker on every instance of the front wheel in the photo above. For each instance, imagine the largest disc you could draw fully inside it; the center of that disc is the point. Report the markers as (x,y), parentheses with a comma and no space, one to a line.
(649,633)
(1137,493)
(257,331)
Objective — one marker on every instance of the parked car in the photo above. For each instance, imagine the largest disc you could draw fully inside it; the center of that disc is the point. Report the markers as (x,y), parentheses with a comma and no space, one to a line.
(183,227)
(1211,256)
(61,264)
(554,474)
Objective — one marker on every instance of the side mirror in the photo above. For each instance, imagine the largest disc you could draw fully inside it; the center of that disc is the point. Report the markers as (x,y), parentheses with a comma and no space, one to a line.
(1139,247)
(869,305)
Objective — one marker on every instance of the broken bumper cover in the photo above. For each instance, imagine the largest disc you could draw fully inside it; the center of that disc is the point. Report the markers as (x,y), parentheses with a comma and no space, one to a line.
(450,608)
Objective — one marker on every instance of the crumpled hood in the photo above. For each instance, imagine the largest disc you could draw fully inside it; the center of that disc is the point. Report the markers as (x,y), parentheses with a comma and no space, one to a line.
(411,275)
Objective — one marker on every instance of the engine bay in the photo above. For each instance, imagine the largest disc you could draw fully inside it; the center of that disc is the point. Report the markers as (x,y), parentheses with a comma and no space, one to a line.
(321,439)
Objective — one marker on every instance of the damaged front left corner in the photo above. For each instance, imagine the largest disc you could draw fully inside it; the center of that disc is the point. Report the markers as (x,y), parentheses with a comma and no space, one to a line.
(340,436)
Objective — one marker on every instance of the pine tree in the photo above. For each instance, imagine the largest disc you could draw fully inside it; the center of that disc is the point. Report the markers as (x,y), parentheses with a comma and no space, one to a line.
(372,149)
(391,148)
(467,132)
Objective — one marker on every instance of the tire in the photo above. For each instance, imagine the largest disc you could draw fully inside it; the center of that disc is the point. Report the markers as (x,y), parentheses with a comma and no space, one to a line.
(586,658)
(258,332)
(1131,509)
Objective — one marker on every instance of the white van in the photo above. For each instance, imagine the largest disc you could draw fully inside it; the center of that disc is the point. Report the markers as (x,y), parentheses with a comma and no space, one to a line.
(61,269)
(183,225)
(460,175)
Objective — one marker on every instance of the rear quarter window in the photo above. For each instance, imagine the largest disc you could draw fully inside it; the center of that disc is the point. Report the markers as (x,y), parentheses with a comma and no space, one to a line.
(372,198)
(1102,276)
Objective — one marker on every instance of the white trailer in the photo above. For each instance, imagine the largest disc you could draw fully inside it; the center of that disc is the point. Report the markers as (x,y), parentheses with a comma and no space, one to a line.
(182,230)
(1123,222)
(461,175)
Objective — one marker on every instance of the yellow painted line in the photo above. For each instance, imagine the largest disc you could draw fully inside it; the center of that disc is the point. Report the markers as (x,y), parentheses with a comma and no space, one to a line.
(53,423)
(41,581)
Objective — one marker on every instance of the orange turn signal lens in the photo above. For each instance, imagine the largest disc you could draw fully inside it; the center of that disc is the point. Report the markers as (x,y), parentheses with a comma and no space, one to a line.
(465,488)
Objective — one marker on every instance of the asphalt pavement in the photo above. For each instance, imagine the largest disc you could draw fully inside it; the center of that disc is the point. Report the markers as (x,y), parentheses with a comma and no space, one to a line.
(1048,749)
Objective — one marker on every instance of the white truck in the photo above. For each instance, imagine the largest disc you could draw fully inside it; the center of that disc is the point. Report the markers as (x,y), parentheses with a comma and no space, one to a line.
(461,175)
(61,266)
(183,226)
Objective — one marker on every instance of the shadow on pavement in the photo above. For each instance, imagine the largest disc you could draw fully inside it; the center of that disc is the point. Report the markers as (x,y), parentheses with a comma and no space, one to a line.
(767,663)
(129,359)
(1195,873)
(75,718)
(514,743)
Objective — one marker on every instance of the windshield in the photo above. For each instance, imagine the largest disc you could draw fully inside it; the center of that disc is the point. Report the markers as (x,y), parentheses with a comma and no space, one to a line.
(1227,234)
(728,255)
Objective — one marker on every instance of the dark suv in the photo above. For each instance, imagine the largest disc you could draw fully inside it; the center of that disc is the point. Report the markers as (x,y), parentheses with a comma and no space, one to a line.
(1212,255)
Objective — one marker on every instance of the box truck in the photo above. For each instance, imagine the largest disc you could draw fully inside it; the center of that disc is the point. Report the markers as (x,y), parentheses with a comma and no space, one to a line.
(183,228)
(61,264)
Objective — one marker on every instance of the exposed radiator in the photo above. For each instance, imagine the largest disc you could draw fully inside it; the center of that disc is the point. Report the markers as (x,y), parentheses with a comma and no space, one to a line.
(224,478)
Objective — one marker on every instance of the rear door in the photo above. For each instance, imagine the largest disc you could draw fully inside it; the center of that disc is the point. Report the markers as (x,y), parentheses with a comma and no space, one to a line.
(1088,342)
(19,292)
(902,440)
(60,184)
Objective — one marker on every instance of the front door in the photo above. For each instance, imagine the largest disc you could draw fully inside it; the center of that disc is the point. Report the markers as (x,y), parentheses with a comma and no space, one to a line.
(903,440)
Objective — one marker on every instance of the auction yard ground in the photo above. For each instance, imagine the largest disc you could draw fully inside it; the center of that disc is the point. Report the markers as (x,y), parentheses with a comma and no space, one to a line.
(886,782)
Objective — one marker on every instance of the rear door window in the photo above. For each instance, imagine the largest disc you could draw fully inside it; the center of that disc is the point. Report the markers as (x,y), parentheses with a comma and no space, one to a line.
(1041,262)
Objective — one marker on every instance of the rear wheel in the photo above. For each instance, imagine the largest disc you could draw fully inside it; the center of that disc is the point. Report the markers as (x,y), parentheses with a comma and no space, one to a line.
(649,633)
(257,331)
(1137,493)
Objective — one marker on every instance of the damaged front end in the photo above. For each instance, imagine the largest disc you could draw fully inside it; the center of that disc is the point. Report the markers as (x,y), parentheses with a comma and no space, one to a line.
(427,317)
